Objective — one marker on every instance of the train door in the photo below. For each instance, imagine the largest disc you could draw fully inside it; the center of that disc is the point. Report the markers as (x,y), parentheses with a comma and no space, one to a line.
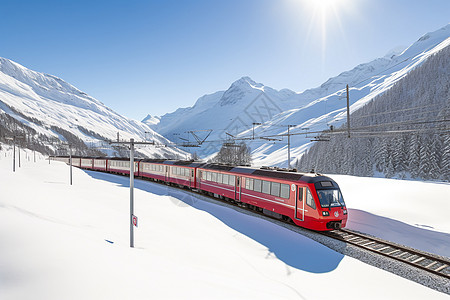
(166,173)
(192,178)
(300,204)
(199,179)
(237,190)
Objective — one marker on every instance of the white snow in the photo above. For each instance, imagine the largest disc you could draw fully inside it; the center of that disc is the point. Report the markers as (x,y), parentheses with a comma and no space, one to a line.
(411,213)
(53,241)
(47,101)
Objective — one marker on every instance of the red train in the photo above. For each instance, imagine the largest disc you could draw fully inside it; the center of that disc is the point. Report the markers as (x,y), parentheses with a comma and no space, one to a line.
(309,200)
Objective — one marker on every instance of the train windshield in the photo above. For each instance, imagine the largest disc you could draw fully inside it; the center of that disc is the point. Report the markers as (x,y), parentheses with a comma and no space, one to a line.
(330,198)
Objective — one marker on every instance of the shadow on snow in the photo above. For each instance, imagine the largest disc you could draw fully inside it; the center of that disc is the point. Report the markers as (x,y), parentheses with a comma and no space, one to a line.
(292,248)
(418,237)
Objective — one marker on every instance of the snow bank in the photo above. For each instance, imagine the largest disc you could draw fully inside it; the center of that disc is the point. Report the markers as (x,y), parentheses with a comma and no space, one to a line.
(54,245)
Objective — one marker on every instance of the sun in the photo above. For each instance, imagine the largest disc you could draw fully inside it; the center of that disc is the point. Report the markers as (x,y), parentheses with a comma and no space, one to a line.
(326,4)
(324,16)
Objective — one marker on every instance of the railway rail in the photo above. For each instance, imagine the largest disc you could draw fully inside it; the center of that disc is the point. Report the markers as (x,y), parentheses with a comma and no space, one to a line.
(425,261)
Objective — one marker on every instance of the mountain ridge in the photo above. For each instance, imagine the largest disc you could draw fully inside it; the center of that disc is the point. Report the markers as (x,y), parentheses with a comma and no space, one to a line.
(44,102)
(315,108)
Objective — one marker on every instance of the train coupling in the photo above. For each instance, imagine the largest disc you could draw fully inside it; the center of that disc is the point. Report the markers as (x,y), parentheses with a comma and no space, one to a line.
(334,225)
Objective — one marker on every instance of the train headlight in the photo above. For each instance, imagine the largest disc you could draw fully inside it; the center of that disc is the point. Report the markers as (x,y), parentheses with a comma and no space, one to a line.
(325,213)
(345,211)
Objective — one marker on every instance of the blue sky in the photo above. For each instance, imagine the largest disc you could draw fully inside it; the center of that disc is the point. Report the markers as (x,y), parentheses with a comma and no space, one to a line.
(141,57)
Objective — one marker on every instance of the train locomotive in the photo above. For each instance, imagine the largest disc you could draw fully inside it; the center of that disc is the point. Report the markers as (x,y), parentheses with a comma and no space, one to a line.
(309,200)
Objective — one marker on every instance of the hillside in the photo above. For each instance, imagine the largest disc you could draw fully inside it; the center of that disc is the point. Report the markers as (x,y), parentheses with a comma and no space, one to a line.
(46,107)
(246,102)
(403,133)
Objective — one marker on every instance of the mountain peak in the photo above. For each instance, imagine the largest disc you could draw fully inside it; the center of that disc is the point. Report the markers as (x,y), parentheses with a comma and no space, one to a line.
(239,89)
(246,82)
(151,120)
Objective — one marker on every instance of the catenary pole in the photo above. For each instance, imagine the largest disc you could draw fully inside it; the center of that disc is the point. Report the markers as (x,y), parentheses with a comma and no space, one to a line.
(14,154)
(131,192)
(348,112)
(133,218)
(70,162)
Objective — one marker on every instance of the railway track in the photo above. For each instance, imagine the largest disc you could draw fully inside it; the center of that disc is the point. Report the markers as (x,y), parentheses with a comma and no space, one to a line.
(430,263)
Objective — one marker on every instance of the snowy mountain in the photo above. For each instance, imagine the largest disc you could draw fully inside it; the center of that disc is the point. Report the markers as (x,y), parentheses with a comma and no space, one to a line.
(402,134)
(231,111)
(246,102)
(49,105)
(151,120)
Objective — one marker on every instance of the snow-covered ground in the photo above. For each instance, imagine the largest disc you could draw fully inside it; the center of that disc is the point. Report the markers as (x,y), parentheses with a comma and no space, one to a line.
(72,242)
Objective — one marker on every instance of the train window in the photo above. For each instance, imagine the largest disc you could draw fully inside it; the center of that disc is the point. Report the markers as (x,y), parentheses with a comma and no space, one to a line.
(326,184)
(219,178)
(300,194)
(214,177)
(257,185)
(208,176)
(232,180)
(266,187)
(249,183)
(309,199)
(284,191)
(225,179)
(275,189)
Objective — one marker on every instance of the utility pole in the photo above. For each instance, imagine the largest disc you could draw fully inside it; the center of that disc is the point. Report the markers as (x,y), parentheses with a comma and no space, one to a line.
(18,149)
(70,161)
(348,113)
(14,154)
(133,218)
(131,192)
(289,147)
(254,129)
(14,150)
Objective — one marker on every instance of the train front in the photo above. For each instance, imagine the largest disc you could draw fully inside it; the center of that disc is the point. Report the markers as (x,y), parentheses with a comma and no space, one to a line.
(330,204)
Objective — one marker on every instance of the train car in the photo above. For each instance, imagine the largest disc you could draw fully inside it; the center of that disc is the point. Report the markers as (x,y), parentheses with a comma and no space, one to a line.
(76,161)
(218,181)
(120,165)
(64,159)
(87,163)
(100,163)
(183,173)
(309,200)
(154,169)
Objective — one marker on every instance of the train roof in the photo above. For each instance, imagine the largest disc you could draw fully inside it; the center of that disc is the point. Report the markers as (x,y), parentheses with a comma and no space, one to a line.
(184,163)
(269,173)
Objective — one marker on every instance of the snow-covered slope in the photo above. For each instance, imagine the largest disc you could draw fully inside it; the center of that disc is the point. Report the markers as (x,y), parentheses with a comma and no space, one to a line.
(327,105)
(72,242)
(230,111)
(41,101)
(246,102)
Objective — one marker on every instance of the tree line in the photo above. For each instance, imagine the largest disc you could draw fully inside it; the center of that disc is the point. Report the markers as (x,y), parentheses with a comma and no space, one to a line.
(407,130)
